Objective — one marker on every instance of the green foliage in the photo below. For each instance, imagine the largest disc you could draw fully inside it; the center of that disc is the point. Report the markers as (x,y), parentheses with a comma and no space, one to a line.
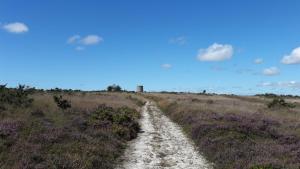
(18,97)
(280,102)
(123,121)
(62,103)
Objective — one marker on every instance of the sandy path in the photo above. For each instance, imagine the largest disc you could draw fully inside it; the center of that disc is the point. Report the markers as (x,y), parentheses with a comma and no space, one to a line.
(161,145)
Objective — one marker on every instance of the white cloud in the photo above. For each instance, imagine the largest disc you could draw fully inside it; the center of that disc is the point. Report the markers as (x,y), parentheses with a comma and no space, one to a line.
(216,52)
(16,27)
(288,84)
(293,58)
(272,71)
(84,41)
(74,39)
(292,84)
(91,40)
(258,61)
(166,66)
(180,40)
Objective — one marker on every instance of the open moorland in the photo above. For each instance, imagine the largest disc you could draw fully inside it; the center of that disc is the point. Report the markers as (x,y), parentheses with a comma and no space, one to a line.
(237,132)
(86,130)
(65,129)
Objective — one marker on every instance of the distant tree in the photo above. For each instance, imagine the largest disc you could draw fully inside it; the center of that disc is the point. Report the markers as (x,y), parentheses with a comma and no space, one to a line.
(109,88)
(118,88)
(204,92)
(114,88)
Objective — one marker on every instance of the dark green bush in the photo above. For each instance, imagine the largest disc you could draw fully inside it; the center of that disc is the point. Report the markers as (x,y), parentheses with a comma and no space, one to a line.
(280,102)
(18,97)
(62,103)
(123,121)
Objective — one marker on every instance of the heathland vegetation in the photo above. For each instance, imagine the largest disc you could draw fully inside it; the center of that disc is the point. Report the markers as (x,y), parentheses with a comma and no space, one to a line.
(65,129)
(235,132)
(74,129)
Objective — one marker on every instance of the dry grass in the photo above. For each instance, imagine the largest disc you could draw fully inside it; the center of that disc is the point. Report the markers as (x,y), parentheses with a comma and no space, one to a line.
(237,132)
(82,101)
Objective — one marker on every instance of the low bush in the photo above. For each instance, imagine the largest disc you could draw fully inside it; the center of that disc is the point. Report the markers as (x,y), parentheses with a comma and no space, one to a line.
(279,102)
(17,97)
(62,103)
(122,120)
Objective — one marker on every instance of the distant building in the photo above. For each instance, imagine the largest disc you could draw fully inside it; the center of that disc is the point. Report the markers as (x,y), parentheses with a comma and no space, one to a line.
(140,89)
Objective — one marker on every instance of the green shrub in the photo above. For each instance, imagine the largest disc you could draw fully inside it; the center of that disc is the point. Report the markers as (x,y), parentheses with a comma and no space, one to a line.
(122,121)
(18,97)
(62,103)
(280,102)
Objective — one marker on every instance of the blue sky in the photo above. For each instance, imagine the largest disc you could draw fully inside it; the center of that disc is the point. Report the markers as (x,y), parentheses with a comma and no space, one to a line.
(233,46)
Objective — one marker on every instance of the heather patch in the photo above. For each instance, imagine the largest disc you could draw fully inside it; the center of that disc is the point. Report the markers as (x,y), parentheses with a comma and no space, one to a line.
(236,133)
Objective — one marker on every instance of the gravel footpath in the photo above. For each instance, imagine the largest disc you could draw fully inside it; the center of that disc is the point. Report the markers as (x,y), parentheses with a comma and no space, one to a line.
(161,145)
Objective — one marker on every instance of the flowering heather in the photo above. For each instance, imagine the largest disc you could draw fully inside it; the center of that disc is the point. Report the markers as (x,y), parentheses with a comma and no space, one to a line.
(237,132)
(42,135)
(9,128)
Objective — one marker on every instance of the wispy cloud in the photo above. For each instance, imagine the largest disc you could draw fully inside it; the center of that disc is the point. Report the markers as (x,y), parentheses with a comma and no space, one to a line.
(87,40)
(292,58)
(258,61)
(91,40)
(73,39)
(272,71)
(16,27)
(180,40)
(84,41)
(166,66)
(288,84)
(216,52)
